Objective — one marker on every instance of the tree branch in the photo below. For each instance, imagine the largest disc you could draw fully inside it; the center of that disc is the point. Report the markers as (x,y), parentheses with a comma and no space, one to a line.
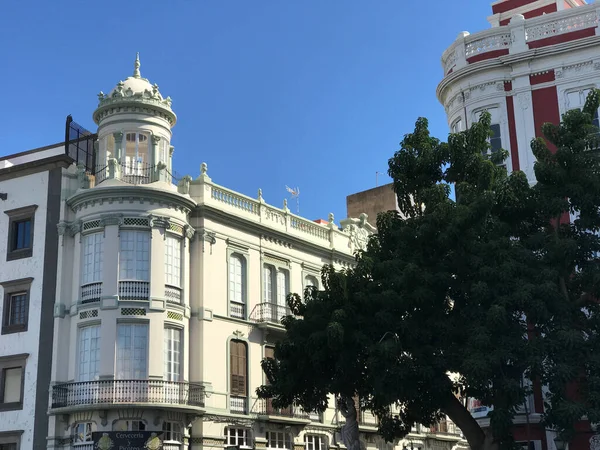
(464,420)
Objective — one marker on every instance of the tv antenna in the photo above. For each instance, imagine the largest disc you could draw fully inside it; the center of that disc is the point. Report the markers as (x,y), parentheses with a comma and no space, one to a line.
(295,194)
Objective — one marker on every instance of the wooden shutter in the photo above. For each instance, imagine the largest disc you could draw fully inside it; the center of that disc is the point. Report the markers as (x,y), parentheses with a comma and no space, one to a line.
(269,353)
(237,352)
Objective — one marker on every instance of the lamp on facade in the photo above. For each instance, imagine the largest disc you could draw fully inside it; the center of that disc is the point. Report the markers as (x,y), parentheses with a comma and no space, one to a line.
(560,443)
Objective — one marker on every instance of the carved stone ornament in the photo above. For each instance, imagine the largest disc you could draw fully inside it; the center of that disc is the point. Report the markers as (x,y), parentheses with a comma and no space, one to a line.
(158,221)
(359,231)
(238,334)
(62,228)
(524,100)
(207,236)
(74,228)
(595,442)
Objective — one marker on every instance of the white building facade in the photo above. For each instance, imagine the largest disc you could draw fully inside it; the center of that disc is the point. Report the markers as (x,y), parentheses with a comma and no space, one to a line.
(152,301)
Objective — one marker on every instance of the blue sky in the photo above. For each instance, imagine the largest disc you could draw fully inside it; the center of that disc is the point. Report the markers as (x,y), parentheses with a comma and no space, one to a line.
(309,93)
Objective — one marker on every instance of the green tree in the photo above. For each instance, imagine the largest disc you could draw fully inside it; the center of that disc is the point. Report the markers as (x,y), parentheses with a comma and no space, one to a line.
(488,287)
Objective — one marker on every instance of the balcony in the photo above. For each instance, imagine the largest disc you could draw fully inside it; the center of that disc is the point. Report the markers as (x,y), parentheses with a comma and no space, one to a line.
(134,290)
(446,429)
(91,292)
(269,315)
(294,414)
(173,294)
(114,393)
(135,173)
(521,36)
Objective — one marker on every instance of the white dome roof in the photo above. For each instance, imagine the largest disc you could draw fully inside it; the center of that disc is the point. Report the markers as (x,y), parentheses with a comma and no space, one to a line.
(135,89)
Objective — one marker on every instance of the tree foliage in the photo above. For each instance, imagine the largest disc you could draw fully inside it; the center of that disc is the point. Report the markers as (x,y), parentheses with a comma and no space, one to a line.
(489,286)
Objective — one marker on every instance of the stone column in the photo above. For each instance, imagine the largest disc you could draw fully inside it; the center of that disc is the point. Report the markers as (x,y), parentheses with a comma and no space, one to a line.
(155,157)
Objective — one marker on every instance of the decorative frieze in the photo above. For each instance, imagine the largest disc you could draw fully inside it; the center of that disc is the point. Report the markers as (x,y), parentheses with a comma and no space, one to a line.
(204,236)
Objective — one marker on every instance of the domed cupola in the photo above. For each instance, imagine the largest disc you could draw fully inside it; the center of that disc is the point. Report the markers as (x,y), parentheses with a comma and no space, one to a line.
(134,131)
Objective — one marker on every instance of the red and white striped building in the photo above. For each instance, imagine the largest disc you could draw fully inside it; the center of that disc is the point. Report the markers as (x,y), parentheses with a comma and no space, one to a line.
(539,59)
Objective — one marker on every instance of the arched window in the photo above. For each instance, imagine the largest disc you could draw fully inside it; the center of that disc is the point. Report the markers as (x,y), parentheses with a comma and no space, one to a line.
(238,375)
(237,286)
(311,280)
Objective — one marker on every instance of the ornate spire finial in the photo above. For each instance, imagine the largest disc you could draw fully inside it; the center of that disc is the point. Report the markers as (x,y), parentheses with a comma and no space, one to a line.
(136,66)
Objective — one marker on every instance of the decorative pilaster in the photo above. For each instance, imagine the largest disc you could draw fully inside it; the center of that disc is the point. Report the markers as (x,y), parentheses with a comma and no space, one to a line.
(461,56)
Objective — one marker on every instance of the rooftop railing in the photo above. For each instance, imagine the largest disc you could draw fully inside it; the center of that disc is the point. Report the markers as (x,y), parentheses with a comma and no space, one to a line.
(518,36)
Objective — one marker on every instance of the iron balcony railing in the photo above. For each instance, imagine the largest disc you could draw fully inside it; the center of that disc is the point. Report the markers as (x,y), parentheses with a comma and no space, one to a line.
(106,392)
(264,407)
(269,313)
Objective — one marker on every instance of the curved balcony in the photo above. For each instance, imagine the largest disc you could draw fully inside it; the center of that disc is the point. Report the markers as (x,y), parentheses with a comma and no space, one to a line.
(105,394)
(521,36)
(268,315)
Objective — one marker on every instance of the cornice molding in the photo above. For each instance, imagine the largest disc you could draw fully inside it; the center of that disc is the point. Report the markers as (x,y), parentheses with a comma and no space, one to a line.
(120,194)
(515,58)
(243,224)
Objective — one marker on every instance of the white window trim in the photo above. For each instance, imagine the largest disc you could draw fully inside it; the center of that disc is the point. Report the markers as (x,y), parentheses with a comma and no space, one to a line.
(168,343)
(235,251)
(134,325)
(173,255)
(95,243)
(135,261)
(89,327)
(281,436)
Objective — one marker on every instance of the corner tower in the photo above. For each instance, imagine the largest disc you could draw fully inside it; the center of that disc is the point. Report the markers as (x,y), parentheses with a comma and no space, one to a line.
(134,132)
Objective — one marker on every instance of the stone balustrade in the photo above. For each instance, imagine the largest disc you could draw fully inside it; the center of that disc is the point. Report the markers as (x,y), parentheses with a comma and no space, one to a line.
(519,36)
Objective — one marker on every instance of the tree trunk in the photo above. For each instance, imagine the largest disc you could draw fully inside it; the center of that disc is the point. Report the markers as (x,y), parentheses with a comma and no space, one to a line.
(477,438)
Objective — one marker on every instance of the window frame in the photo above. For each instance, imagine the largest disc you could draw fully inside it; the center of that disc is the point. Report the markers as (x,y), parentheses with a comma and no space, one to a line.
(171,424)
(169,348)
(97,257)
(133,324)
(14,217)
(74,435)
(238,392)
(11,437)
(234,439)
(233,253)
(286,439)
(314,438)
(136,262)
(129,424)
(12,362)
(87,327)
(172,270)
(12,288)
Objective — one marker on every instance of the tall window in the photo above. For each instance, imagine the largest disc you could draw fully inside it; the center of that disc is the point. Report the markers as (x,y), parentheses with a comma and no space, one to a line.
(12,372)
(20,232)
(172,354)
(132,351)
(496,139)
(173,261)
(134,256)
(279,440)
(136,151)
(89,352)
(457,126)
(92,257)
(238,361)
(16,312)
(275,285)
(268,283)
(237,288)
(311,280)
